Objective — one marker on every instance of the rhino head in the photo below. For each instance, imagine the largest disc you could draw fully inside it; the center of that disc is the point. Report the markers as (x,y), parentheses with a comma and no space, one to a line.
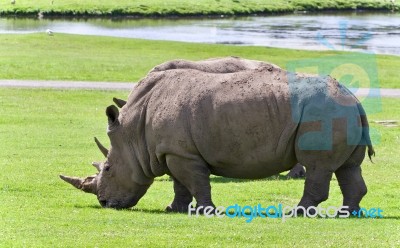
(120,181)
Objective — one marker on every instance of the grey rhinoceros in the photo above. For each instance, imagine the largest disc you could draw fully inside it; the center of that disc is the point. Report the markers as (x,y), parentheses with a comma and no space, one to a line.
(235,118)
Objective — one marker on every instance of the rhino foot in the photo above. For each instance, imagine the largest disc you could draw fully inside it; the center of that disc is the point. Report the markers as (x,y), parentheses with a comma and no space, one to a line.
(177,208)
(207,210)
(297,172)
(316,190)
(351,181)
(183,169)
(181,200)
(352,186)
(185,208)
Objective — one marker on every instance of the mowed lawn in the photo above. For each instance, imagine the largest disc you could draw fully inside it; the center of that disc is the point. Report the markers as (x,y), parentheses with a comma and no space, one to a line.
(175,7)
(93,58)
(44,133)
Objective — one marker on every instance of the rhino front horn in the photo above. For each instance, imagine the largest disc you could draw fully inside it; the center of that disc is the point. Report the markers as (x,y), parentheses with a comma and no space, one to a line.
(74,181)
(88,184)
(101,147)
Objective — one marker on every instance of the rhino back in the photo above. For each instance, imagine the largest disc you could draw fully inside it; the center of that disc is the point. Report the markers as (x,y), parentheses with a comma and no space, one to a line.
(239,123)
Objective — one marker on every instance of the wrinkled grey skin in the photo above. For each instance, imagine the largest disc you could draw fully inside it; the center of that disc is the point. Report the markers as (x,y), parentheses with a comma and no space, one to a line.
(229,117)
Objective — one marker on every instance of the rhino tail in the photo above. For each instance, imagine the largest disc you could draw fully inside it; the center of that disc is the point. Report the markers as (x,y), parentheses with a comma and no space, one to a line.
(365,132)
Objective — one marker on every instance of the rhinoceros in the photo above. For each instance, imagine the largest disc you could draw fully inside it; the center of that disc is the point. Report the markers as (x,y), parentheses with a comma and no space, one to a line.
(234,118)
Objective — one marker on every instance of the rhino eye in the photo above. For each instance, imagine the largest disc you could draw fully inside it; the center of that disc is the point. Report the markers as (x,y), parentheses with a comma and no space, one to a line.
(107,168)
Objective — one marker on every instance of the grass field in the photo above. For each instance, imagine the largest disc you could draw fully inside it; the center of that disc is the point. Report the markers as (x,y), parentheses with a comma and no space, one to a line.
(44,133)
(175,7)
(91,58)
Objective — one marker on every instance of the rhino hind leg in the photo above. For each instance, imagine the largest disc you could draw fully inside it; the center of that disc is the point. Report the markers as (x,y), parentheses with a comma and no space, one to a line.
(182,198)
(352,186)
(316,190)
(351,181)
(194,175)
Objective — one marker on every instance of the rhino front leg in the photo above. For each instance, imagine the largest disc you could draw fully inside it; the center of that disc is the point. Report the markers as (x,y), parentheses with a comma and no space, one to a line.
(182,198)
(194,175)
(316,189)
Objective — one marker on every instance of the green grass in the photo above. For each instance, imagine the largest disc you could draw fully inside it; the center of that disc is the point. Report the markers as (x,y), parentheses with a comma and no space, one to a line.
(44,133)
(188,8)
(91,58)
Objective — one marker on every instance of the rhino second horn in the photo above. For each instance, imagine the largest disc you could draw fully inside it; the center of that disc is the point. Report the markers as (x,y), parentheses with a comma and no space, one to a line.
(74,181)
(101,147)
(120,103)
(97,165)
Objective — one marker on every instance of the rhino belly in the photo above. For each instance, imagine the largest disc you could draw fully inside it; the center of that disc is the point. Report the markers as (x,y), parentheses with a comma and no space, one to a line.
(252,140)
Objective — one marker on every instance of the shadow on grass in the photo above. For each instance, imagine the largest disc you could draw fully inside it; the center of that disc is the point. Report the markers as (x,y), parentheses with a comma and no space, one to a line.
(140,210)
(163,212)
(160,211)
(151,211)
(88,206)
(218,179)
(235,180)
(390,218)
(360,218)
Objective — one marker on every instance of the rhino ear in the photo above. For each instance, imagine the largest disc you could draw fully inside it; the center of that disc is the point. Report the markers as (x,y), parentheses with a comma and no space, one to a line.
(112,114)
(120,103)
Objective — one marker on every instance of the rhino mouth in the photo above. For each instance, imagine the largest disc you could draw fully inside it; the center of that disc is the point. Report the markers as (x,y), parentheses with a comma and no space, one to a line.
(119,204)
(103,203)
